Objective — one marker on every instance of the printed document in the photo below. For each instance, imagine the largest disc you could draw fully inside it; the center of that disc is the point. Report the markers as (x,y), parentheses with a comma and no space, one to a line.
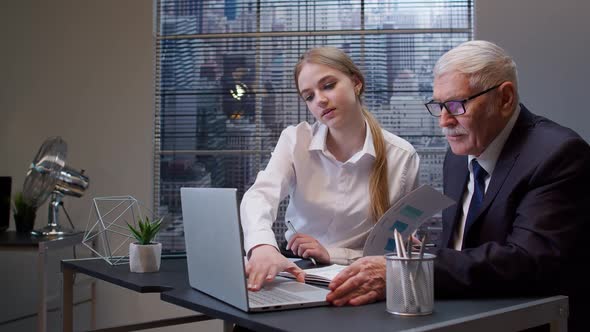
(406,215)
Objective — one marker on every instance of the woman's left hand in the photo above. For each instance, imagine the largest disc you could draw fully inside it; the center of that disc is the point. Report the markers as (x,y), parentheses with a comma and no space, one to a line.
(307,246)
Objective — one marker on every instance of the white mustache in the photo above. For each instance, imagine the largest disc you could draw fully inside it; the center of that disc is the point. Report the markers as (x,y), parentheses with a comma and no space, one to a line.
(454,131)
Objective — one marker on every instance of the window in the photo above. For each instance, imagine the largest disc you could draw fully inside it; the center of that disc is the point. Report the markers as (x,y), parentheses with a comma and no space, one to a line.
(224,86)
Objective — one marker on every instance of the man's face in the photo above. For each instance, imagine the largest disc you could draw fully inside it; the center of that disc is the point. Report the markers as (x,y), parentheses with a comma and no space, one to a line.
(472,132)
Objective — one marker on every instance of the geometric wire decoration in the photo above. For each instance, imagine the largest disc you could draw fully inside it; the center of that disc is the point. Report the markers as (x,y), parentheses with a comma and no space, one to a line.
(107,223)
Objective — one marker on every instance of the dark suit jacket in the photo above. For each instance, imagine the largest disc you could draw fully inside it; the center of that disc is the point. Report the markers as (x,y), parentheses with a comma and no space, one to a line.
(528,238)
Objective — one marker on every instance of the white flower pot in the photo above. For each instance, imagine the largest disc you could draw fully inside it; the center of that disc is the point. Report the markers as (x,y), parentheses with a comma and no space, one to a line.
(145,258)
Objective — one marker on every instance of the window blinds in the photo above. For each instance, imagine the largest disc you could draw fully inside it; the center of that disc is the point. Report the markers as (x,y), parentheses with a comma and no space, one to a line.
(225,90)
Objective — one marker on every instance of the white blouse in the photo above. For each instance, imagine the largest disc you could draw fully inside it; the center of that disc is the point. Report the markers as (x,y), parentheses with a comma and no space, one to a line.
(329,200)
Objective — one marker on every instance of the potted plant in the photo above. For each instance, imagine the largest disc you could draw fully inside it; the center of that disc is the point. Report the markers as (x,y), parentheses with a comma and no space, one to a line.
(24,213)
(145,255)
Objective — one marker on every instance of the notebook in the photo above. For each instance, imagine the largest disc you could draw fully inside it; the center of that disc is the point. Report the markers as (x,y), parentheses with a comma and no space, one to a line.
(319,275)
(216,261)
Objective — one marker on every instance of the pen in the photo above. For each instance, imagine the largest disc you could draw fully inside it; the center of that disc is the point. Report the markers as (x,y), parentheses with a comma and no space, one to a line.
(294,231)
(423,244)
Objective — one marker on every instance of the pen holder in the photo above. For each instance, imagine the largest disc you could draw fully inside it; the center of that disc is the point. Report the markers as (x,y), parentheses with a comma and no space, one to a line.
(410,284)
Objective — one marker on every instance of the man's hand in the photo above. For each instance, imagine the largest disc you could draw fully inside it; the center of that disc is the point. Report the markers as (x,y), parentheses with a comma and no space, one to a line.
(264,264)
(307,246)
(361,283)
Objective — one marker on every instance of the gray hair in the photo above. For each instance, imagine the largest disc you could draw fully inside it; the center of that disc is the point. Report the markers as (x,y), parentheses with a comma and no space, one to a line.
(484,63)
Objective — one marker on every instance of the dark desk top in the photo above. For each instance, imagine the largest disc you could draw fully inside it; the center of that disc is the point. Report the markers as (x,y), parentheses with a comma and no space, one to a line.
(372,317)
(172,282)
(172,274)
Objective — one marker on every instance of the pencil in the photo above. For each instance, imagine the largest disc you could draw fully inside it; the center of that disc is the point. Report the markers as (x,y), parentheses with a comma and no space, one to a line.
(399,245)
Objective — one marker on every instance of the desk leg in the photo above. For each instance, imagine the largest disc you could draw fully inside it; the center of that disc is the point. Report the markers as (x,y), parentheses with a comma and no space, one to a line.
(560,324)
(228,326)
(67,306)
(93,305)
(42,300)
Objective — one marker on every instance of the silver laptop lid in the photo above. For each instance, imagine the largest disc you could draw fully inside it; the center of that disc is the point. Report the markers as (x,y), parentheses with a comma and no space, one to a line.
(213,243)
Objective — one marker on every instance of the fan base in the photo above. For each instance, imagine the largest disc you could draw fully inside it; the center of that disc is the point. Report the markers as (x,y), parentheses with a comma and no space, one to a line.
(51,230)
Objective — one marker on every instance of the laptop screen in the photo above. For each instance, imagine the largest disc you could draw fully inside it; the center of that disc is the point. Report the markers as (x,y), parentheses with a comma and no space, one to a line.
(213,243)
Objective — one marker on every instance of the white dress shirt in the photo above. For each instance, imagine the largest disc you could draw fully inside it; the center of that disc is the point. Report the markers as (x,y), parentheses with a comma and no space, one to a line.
(487,160)
(329,200)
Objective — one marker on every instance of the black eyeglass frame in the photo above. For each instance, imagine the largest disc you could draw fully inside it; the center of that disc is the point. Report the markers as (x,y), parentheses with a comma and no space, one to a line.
(443,105)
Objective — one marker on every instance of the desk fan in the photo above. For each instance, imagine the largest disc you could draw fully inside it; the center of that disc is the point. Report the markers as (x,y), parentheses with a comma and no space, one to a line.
(48,176)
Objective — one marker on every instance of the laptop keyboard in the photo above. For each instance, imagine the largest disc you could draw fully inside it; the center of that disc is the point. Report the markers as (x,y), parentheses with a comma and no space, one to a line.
(274,296)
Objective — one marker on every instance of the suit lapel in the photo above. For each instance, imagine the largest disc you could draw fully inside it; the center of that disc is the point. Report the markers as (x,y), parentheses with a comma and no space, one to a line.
(506,160)
(503,167)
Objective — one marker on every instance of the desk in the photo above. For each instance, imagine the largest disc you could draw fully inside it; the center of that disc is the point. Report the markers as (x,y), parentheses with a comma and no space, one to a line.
(19,241)
(449,315)
(172,274)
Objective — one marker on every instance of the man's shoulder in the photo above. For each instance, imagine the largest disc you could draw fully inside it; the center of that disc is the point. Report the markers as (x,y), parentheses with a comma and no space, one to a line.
(545,134)
(542,144)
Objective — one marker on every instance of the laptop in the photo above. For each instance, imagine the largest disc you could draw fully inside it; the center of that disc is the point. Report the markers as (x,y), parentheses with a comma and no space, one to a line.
(216,261)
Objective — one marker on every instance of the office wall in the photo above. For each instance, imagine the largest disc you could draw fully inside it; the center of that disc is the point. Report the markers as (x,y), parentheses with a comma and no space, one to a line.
(550,43)
(82,70)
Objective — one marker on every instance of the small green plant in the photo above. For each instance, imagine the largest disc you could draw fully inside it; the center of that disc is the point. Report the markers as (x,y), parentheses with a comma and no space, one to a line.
(147,230)
(24,213)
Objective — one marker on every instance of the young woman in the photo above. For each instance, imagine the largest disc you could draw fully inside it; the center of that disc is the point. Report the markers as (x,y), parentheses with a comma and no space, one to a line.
(341,173)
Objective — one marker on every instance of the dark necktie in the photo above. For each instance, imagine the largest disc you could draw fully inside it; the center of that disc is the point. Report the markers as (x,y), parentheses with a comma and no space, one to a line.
(479,188)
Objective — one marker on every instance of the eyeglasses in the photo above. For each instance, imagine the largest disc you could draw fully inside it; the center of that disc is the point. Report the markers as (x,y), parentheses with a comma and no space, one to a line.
(454,107)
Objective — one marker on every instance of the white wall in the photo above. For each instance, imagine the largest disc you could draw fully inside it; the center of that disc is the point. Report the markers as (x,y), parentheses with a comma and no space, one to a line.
(550,42)
(83,70)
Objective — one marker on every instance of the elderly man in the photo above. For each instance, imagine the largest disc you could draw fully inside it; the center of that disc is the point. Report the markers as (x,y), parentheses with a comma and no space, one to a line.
(521,182)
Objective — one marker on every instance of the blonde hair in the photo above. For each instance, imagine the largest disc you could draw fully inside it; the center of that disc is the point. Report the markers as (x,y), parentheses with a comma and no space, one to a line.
(378,182)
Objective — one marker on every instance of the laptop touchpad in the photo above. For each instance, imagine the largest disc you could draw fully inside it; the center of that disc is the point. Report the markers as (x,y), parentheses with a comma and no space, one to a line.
(298,287)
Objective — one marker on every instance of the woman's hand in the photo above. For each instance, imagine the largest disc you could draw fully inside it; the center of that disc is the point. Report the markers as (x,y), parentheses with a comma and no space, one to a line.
(264,264)
(306,246)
